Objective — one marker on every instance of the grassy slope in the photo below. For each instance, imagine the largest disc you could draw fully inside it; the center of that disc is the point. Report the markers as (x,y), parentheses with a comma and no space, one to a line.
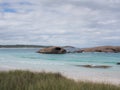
(25,80)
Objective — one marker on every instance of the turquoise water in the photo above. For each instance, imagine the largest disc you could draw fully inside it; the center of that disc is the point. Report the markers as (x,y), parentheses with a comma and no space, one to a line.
(25,57)
(28,59)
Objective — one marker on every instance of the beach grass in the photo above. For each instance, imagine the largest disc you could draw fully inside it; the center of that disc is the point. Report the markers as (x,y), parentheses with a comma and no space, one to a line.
(26,80)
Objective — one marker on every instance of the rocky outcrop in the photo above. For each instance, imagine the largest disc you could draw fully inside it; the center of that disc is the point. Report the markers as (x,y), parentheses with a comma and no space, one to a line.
(96,66)
(70,49)
(53,50)
(114,49)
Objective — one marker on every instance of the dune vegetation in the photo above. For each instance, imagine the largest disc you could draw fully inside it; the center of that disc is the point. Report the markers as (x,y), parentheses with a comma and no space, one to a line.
(25,80)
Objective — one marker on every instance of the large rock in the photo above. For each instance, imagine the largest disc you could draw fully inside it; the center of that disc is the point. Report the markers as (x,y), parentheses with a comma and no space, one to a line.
(53,50)
(114,49)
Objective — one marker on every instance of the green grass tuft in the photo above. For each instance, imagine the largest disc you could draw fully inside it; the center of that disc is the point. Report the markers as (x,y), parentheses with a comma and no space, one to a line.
(25,80)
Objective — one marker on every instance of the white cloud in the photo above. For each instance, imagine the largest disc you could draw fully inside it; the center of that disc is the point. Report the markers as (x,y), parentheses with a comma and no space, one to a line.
(60,22)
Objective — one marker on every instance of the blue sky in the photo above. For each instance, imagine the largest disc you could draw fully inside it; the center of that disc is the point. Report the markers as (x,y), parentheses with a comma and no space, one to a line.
(82,23)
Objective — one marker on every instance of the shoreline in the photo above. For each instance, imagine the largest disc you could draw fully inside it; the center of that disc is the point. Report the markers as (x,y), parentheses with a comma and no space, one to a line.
(76,77)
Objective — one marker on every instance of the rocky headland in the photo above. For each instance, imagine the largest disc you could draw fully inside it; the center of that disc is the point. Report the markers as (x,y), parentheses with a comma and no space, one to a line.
(70,49)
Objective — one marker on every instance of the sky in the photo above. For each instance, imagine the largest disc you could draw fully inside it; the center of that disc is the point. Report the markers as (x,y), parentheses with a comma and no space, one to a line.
(81,23)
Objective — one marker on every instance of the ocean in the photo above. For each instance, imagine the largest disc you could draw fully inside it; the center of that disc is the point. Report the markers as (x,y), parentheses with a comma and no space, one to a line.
(67,64)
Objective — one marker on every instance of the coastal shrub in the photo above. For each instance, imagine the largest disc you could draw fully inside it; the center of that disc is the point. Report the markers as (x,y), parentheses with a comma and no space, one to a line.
(25,80)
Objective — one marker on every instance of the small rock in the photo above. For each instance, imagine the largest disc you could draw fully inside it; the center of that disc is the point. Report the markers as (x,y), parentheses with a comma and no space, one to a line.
(118,63)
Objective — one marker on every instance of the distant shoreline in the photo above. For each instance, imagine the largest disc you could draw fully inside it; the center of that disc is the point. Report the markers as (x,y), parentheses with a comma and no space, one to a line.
(71,49)
(23,46)
(45,46)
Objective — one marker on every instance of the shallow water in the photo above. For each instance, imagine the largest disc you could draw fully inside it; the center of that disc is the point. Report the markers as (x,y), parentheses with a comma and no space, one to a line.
(65,63)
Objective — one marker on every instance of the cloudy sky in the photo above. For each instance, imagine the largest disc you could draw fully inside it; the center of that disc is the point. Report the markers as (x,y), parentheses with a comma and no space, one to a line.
(79,23)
